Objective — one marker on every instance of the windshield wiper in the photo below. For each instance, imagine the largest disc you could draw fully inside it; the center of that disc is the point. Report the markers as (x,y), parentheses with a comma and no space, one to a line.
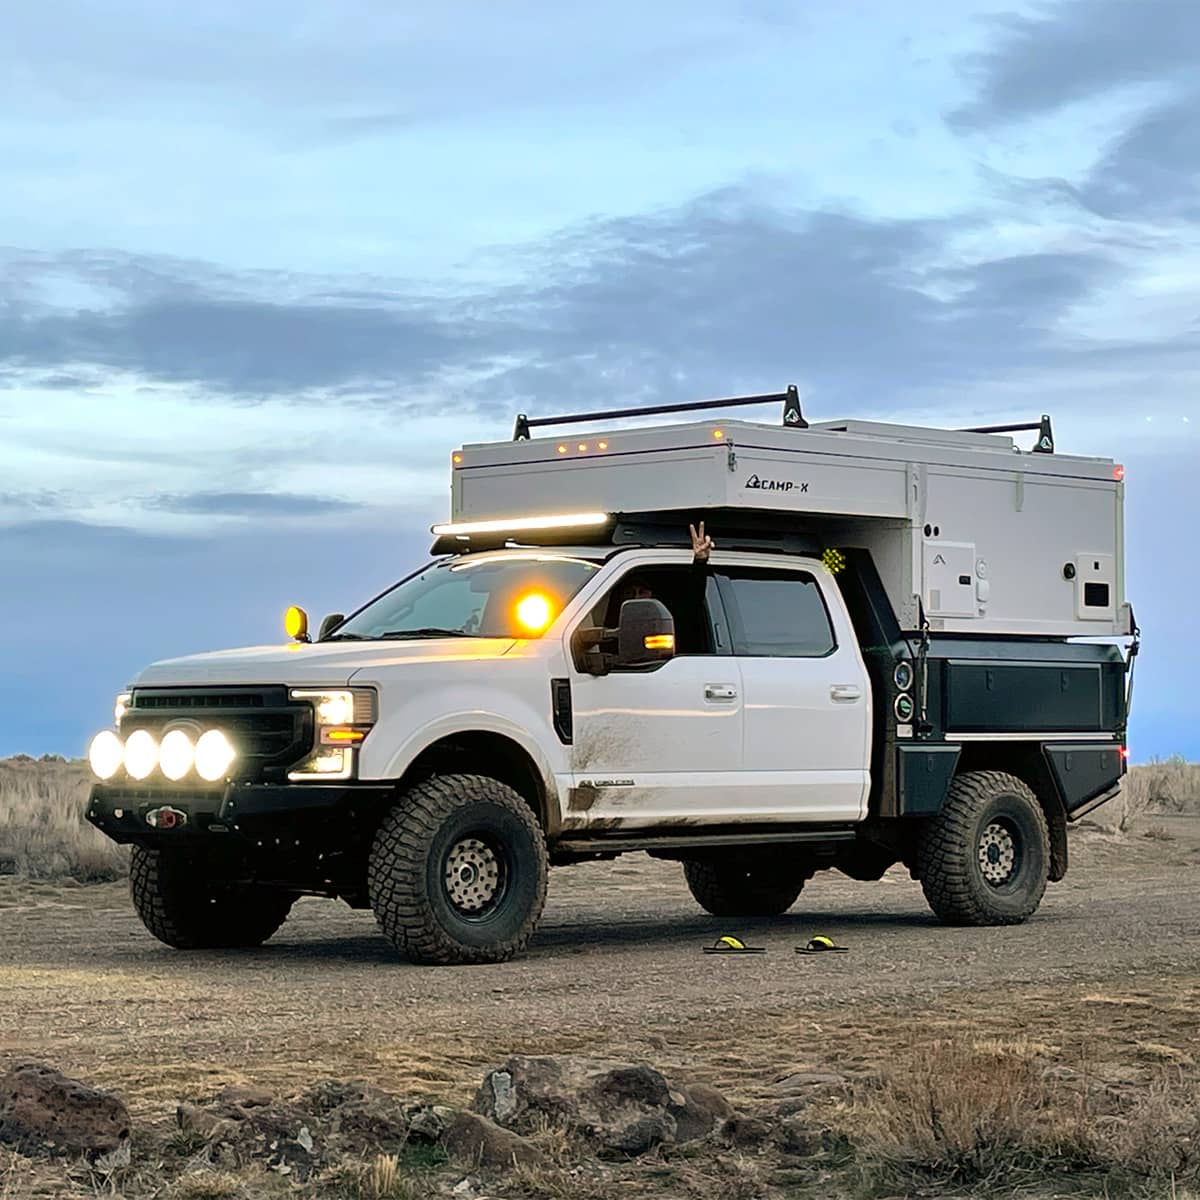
(426,631)
(346,637)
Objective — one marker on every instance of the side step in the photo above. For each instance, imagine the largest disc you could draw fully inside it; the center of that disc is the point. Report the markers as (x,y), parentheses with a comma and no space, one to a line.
(667,840)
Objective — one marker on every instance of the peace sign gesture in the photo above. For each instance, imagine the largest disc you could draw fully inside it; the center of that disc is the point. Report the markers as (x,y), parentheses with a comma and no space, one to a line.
(702,544)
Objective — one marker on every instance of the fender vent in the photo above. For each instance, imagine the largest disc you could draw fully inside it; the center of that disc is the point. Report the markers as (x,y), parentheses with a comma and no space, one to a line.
(560,706)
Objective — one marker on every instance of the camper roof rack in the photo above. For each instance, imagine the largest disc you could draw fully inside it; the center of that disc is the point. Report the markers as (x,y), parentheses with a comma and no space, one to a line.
(793,418)
(1045,438)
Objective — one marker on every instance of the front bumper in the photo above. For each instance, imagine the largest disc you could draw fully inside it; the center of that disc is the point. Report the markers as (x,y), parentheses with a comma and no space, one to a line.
(252,814)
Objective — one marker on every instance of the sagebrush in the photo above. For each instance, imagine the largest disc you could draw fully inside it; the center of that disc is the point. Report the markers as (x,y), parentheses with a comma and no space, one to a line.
(43,831)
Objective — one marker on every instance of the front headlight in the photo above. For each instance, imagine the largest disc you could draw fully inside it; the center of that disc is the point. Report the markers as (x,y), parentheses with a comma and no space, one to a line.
(344,717)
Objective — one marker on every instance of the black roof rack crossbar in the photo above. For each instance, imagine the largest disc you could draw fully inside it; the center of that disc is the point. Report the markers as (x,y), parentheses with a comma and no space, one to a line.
(1045,438)
(792,416)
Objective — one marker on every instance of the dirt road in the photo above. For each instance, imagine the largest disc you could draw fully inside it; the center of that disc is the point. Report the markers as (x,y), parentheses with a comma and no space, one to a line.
(616,968)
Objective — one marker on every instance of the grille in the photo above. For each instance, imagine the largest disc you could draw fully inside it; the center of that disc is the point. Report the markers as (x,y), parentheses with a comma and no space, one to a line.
(270,731)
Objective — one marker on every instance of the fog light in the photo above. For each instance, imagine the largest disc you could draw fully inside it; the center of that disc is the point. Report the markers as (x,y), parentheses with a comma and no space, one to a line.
(333,763)
(176,754)
(214,755)
(106,754)
(141,754)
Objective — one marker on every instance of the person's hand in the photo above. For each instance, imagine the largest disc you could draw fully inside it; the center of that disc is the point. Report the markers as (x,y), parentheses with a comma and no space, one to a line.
(702,544)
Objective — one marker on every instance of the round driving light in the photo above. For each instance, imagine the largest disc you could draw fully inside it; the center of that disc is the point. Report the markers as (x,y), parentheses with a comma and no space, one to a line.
(106,754)
(903,676)
(141,754)
(214,755)
(904,709)
(176,754)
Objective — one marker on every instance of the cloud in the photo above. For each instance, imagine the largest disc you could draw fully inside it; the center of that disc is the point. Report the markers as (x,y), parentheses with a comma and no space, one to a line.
(1074,50)
(249,504)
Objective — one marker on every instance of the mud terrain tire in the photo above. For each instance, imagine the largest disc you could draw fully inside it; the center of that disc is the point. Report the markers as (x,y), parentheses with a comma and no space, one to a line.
(741,888)
(185,908)
(985,858)
(457,872)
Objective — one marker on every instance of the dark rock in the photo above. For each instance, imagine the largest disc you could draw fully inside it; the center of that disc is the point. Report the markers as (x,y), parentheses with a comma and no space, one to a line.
(246,1097)
(801,1138)
(41,1109)
(206,1122)
(474,1141)
(427,1123)
(744,1132)
(621,1108)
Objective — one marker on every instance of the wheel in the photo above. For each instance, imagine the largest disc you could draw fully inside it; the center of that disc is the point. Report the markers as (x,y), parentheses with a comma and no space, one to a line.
(985,858)
(183,906)
(457,872)
(742,887)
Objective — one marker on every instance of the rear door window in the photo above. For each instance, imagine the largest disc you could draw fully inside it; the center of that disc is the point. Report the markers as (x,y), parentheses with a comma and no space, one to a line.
(776,614)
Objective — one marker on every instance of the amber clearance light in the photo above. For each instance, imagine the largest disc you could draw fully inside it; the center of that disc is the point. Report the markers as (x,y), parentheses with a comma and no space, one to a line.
(535,612)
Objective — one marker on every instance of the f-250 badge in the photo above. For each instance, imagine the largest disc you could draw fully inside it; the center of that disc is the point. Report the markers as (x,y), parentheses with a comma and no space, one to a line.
(774,485)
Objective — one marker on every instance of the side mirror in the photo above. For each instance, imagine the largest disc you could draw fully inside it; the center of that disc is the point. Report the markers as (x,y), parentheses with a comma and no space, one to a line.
(328,625)
(645,633)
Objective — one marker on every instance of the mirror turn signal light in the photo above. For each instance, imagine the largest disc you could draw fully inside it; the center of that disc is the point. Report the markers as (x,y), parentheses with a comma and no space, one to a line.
(659,641)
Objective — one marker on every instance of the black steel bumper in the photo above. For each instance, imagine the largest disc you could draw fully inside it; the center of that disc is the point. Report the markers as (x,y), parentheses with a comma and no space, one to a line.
(239,812)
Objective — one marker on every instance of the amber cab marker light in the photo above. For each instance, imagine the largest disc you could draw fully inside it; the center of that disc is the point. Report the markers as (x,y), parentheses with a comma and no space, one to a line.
(295,623)
(583,446)
(659,641)
(458,460)
(535,612)
(601,445)
(718,434)
(562,449)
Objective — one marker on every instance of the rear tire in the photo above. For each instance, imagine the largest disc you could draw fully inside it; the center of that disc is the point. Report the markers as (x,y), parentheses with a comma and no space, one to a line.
(742,887)
(458,872)
(187,909)
(985,858)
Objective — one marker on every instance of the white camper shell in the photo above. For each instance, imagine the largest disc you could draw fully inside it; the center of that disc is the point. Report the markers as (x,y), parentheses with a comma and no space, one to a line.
(987,538)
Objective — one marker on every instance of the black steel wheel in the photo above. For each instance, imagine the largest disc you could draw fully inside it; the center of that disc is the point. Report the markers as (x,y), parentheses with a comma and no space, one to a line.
(985,858)
(183,905)
(458,871)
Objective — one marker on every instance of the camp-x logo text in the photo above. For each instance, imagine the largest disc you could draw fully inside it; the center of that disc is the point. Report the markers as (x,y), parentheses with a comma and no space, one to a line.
(774,485)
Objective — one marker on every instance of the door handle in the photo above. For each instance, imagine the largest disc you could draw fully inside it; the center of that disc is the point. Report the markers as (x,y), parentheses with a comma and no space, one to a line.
(845,693)
(720,691)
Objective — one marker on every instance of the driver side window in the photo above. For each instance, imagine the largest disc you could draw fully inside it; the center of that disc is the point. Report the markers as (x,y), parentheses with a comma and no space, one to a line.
(690,595)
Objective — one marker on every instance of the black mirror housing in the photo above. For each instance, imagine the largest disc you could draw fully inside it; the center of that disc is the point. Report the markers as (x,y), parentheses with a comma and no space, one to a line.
(329,624)
(645,633)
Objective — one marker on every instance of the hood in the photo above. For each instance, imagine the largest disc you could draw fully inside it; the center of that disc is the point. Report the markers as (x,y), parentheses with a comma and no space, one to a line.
(320,663)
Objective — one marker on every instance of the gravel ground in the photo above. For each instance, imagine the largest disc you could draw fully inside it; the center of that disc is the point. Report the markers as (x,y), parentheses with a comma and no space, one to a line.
(616,968)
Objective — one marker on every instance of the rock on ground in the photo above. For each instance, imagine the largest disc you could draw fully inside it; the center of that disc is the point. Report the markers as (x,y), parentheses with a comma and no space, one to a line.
(474,1141)
(42,1109)
(622,1108)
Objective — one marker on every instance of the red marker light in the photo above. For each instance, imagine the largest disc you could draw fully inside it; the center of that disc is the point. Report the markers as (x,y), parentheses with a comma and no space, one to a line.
(1125,752)
(1118,472)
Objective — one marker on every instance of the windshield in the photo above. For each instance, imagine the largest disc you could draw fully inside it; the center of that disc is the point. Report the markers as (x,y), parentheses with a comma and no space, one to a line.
(509,596)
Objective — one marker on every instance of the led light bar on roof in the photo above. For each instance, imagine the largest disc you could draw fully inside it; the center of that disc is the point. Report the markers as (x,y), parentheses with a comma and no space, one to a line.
(522,524)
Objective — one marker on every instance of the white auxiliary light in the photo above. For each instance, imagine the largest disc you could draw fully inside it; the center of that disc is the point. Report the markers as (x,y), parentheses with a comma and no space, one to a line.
(214,755)
(106,754)
(176,754)
(121,707)
(141,754)
(522,524)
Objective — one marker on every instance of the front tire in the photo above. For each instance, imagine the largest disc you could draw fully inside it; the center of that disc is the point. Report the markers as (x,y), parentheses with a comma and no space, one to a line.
(458,871)
(742,887)
(985,858)
(183,906)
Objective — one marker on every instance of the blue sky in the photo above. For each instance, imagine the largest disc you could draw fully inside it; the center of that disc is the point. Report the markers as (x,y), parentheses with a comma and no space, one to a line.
(262,267)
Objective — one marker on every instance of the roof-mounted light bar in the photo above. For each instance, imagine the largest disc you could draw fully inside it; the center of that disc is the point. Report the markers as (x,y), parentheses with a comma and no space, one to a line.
(522,524)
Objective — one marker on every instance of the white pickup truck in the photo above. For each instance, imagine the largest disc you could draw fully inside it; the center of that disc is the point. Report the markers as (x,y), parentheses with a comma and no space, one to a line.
(878,663)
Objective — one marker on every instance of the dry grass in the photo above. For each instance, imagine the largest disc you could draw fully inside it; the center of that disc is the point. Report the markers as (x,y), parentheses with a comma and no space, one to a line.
(43,832)
(991,1117)
(1164,787)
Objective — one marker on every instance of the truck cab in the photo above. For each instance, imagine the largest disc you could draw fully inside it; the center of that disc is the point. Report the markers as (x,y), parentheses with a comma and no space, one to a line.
(554,687)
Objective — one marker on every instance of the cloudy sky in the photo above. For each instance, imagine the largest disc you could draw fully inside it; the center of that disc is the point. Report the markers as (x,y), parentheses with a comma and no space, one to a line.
(263,265)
